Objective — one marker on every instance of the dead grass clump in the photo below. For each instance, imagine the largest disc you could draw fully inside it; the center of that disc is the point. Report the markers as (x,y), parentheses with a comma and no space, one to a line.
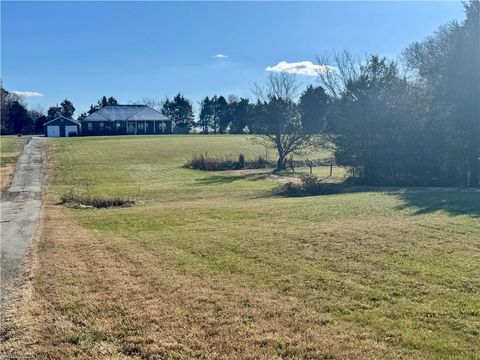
(80,200)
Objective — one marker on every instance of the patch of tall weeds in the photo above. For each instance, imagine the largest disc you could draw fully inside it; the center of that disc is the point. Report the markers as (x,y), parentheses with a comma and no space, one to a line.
(208,163)
(76,199)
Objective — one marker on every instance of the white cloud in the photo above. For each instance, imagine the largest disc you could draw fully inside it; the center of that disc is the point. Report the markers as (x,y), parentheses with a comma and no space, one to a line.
(300,68)
(220,56)
(27,93)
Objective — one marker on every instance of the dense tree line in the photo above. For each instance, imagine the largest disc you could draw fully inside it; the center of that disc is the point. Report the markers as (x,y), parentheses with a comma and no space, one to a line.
(65,109)
(101,103)
(420,129)
(16,117)
(447,72)
(180,110)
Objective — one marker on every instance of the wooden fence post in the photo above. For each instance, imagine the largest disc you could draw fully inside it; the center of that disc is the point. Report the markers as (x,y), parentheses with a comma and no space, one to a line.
(309,164)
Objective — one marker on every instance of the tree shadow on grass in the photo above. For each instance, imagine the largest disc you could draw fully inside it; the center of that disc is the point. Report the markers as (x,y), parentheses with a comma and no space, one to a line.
(454,201)
(227,179)
(218,179)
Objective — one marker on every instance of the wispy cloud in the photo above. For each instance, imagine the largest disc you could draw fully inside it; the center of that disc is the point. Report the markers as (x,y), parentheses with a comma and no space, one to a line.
(27,93)
(301,68)
(220,56)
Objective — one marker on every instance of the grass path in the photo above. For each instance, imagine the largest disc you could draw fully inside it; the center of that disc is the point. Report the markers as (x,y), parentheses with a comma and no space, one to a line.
(213,266)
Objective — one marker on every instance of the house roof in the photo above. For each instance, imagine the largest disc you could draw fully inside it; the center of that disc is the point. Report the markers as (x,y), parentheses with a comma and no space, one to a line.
(62,118)
(125,112)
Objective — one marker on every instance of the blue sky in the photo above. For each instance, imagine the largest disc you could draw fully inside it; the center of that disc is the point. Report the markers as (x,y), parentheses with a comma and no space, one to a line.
(83,50)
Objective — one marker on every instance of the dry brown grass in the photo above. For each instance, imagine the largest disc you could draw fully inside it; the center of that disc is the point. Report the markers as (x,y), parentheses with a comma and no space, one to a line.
(11,148)
(6,174)
(85,299)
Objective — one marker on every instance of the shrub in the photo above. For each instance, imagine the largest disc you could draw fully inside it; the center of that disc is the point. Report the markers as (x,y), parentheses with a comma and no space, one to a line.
(241,161)
(80,200)
(310,185)
(205,163)
(260,163)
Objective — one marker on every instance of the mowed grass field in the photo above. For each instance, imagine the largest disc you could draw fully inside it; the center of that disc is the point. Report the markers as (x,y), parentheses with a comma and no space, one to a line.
(214,265)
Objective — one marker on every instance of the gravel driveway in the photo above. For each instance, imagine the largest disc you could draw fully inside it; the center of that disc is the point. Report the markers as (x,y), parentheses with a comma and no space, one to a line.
(20,207)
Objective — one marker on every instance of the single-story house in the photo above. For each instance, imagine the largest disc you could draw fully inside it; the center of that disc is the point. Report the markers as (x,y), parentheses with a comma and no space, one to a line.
(61,127)
(126,120)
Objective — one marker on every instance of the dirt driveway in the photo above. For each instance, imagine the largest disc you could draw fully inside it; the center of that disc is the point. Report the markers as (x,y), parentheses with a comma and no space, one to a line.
(20,207)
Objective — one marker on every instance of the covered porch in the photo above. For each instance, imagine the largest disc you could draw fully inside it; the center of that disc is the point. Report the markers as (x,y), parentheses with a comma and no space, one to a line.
(140,127)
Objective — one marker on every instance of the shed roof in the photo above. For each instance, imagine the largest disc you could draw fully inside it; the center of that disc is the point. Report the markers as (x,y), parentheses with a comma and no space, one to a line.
(63,118)
(125,112)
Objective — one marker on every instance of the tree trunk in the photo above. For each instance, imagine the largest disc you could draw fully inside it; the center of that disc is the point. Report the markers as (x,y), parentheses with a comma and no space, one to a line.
(281,163)
(282,157)
(474,166)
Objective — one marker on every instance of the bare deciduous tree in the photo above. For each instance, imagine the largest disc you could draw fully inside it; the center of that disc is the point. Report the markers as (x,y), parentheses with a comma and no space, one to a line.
(278,85)
(346,68)
(278,119)
(152,102)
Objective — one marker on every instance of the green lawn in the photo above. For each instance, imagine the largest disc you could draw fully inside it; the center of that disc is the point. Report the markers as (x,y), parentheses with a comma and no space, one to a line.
(399,266)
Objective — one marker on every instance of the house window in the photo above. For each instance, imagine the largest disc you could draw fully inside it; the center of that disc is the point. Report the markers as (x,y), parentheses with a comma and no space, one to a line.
(140,125)
(89,126)
(101,124)
(118,125)
(163,126)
